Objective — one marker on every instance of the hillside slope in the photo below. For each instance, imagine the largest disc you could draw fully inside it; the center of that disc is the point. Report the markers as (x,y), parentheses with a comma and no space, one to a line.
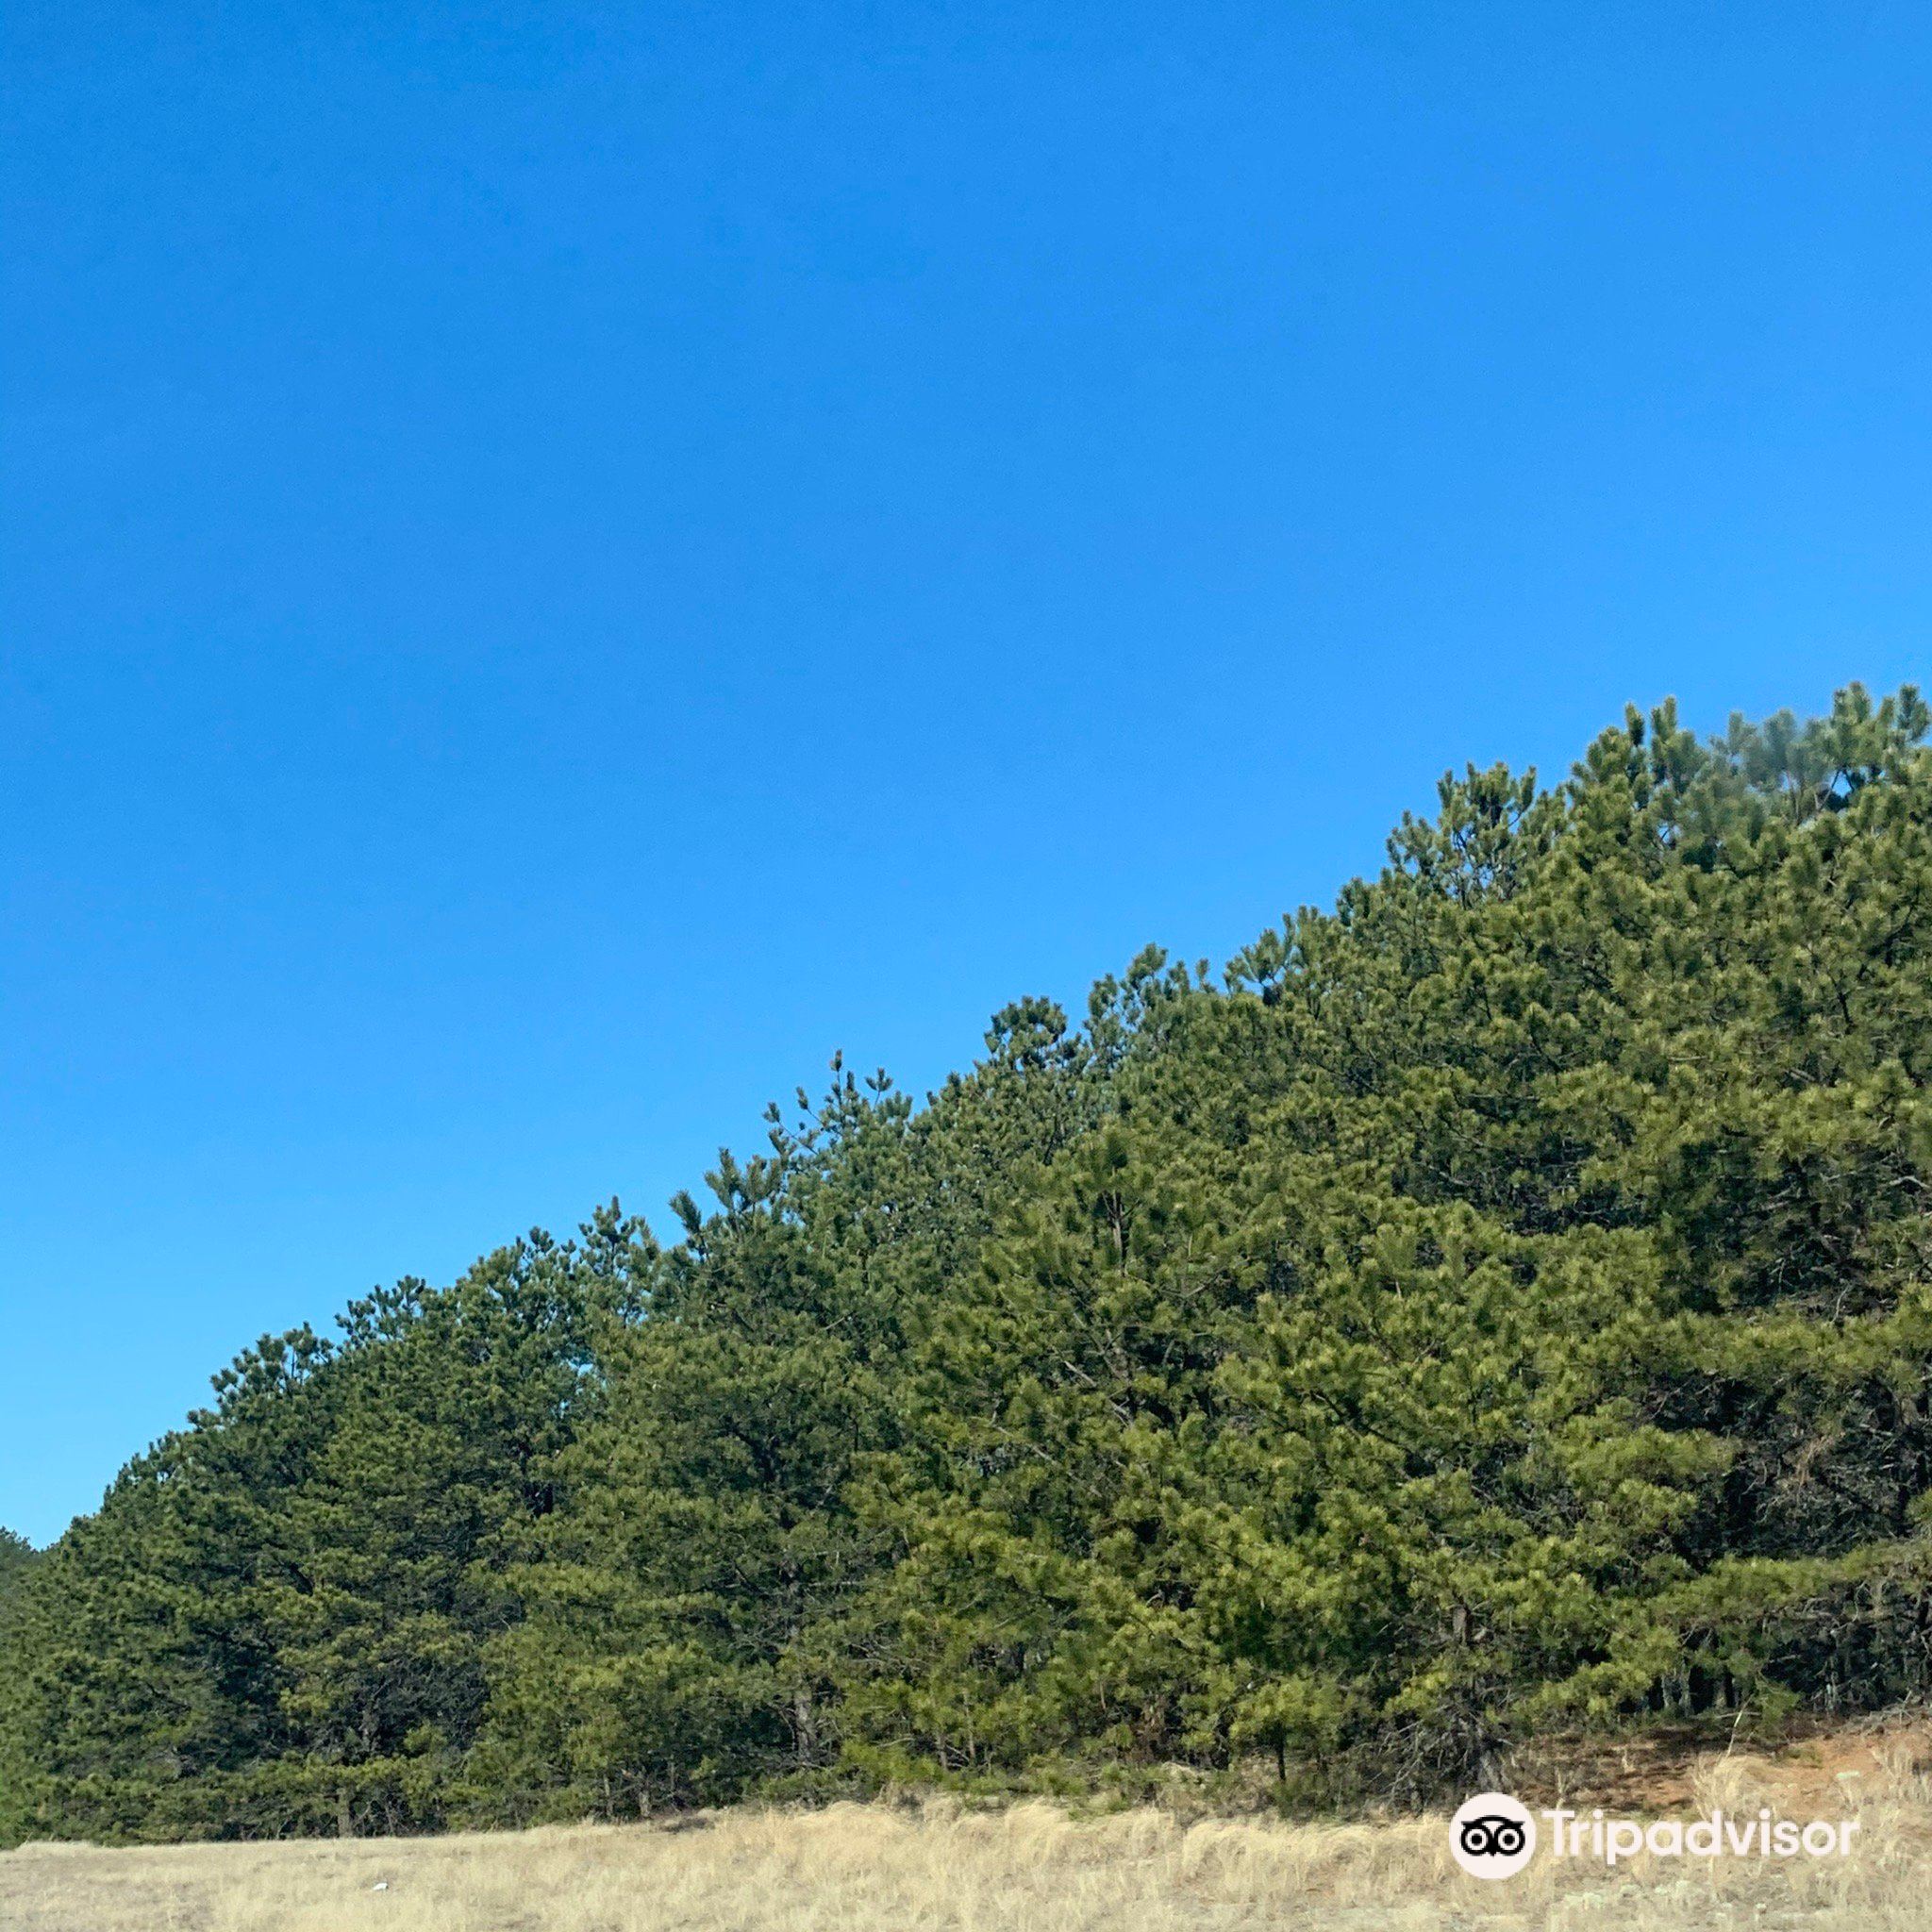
(1501,1303)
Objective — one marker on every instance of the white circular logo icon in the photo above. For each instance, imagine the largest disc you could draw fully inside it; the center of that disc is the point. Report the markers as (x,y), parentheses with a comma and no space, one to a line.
(1492,1836)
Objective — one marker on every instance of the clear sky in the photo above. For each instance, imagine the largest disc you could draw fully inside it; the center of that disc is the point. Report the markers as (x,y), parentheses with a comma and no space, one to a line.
(561,563)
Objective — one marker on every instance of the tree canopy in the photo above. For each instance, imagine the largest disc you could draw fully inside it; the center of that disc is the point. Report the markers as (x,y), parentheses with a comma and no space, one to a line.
(1502,1300)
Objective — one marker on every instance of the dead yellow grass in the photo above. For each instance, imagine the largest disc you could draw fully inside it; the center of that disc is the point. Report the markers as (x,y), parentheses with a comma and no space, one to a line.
(1029,1868)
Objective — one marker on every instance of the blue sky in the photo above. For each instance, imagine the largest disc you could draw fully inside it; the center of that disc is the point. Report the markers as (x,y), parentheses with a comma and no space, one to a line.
(559,564)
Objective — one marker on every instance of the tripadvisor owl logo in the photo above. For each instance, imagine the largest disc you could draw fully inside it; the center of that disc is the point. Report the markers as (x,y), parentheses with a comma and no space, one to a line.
(1492,1836)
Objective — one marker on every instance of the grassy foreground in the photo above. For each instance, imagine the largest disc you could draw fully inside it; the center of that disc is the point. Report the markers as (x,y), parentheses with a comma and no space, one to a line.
(1030,1868)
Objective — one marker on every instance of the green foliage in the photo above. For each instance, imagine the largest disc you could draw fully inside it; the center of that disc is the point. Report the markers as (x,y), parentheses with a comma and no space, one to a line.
(275,1622)
(16,1562)
(1505,1300)
(16,1557)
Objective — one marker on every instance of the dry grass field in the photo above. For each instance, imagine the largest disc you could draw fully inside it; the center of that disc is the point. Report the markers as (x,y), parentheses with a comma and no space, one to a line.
(1029,1868)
